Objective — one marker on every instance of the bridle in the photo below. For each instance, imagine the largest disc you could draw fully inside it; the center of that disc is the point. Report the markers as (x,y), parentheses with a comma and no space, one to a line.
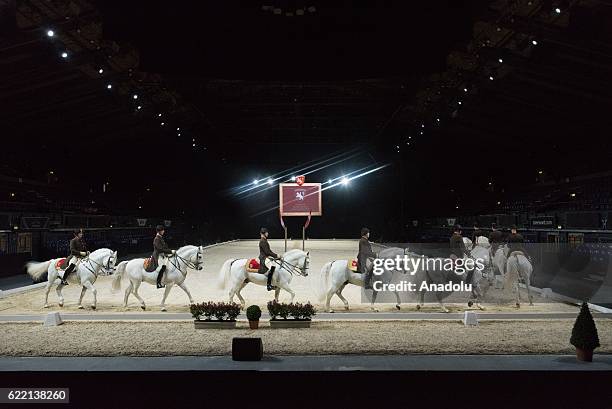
(188,263)
(294,268)
(106,267)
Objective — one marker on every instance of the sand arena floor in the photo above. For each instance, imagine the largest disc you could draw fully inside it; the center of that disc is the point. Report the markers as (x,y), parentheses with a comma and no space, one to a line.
(202,285)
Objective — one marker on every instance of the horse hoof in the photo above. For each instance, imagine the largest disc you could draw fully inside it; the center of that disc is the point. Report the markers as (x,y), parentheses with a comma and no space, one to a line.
(331,311)
(163,309)
(480,307)
(531,304)
(398,307)
(375,310)
(518,305)
(143,307)
(346,308)
(418,307)
(93,307)
(46,306)
(80,307)
(470,303)
(445,310)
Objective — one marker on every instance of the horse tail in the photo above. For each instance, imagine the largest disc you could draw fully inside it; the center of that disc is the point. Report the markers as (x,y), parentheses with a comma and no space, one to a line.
(36,269)
(116,286)
(324,281)
(224,273)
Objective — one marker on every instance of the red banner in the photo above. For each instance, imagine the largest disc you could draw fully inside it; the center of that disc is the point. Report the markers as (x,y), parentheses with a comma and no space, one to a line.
(298,200)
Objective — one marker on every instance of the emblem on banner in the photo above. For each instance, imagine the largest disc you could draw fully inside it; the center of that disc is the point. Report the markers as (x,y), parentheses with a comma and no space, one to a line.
(299,195)
(300,180)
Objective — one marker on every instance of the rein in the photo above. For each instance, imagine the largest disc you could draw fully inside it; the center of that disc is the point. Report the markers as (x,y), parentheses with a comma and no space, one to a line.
(293,268)
(188,263)
(106,267)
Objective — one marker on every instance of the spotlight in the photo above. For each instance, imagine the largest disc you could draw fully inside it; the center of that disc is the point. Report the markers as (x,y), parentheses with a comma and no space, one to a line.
(109,86)
(194,145)
(255,182)
(163,123)
(465,89)
(534,42)
(178,129)
(135,96)
(311,9)
(345,180)
(100,71)
(459,102)
(139,107)
(438,119)
(500,60)
(293,178)
(270,181)
(159,115)
(491,77)
(329,181)
(558,10)
(179,134)
(64,54)
(50,33)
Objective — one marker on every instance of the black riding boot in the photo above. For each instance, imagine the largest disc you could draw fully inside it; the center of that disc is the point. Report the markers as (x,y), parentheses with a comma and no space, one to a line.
(159,277)
(367,281)
(68,271)
(269,287)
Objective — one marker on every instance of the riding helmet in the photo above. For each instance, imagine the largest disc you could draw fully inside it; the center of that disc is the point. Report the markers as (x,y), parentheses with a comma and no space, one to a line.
(160,228)
(364,231)
(263,230)
(457,227)
(77,231)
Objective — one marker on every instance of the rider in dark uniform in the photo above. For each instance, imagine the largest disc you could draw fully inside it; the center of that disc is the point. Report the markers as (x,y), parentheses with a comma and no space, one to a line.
(495,238)
(365,252)
(477,233)
(78,251)
(515,242)
(457,246)
(265,252)
(160,248)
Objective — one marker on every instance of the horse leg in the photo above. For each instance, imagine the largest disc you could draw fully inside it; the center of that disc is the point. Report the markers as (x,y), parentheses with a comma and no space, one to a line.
(240,297)
(421,301)
(285,286)
(374,294)
(83,290)
(90,286)
(517,288)
(399,301)
(142,303)
(47,290)
(528,284)
(128,290)
(166,292)
(442,306)
(184,288)
(276,293)
(344,300)
(328,296)
(58,291)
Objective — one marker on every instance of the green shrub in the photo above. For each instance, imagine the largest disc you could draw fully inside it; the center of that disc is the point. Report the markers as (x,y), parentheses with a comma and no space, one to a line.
(220,311)
(297,311)
(253,313)
(584,333)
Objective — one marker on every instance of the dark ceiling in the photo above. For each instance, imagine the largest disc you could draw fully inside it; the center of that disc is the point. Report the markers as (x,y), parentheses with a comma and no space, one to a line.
(256,90)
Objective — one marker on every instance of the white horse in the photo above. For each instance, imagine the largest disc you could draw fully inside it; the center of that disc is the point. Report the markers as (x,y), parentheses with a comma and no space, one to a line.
(233,274)
(335,275)
(519,267)
(481,252)
(176,272)
(85,274)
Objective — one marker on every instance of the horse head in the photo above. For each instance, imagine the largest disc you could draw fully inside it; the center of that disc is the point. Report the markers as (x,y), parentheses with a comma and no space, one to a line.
(297,261)
(104,259)
(192,256)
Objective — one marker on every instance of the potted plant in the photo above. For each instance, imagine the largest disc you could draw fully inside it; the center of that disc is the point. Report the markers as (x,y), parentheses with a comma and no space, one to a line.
(301,315)
(584,335)
(215,315)
(253,314)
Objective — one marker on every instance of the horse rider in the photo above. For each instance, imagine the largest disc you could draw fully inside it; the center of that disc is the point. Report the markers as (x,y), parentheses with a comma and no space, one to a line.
(365,252)
(495,238)
(457,246)
(160,248)
(78,251)
(515,242)
(477,233)
(265,252)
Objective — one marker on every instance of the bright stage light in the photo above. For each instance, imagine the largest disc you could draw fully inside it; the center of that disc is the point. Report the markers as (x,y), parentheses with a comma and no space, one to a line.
(293,178)
(50,33)
(465,90)
(255,182)
(64,54)
(500,60)
(345,180)
(109,86)
(329,181)
(558,10)
(159,115)
(534,42)
(135,96)
(491,77)
(100,71)
(270,181)
(139,107)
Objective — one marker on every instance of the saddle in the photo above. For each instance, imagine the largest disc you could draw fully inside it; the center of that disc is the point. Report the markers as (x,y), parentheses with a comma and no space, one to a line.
(61,264)
(149,264)
(252,266)
(352,265)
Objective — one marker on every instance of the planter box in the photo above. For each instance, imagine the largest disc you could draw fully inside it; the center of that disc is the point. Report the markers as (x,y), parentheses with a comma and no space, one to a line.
(290,323)
(214,324)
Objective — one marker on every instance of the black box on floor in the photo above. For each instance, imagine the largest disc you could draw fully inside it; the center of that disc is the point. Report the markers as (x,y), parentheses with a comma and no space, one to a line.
(247,349)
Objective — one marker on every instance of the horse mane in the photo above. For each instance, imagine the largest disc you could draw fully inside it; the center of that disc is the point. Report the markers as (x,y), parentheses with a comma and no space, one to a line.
(293,252)
(186,248)
(100,250)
